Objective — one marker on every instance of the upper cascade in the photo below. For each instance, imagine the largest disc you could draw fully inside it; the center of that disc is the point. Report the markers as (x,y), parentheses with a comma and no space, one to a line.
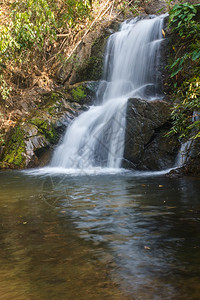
(132,57)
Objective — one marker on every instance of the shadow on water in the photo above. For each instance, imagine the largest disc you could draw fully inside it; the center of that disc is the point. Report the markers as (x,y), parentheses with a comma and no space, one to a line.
(121,236)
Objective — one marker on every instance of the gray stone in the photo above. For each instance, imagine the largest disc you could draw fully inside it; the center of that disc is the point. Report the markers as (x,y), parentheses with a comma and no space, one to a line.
(146,148)
(156,6)
(192,164)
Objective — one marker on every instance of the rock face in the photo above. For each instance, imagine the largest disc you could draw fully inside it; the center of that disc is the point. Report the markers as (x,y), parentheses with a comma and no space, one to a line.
(31,142)
(156,6)
(192,162)
(146,148)
(189,156)
(87,62)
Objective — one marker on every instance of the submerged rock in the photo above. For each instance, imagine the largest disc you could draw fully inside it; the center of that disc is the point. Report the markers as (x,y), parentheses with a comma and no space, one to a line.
(146,147)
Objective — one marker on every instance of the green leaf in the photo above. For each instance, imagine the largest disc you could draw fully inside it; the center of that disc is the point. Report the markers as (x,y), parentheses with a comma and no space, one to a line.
(175,63)
(176,71)
(196,54)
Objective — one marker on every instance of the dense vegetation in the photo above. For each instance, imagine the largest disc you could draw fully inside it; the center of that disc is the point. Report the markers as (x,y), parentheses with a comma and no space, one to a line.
(37,38)
(185,69)
(34,26)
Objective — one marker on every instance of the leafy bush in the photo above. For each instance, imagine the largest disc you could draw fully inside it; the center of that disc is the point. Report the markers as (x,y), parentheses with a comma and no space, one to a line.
(33,25)
(186,114)
(184,23)
(34,22)
(4,88)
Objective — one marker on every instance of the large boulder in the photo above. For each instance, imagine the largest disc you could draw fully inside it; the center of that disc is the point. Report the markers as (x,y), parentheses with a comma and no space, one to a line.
(146,147)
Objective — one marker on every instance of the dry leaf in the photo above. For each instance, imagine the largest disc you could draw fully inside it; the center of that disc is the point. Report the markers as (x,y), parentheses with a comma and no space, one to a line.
(147,248)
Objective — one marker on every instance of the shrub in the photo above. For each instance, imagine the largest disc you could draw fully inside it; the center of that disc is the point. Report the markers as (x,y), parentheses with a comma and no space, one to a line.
(184,23)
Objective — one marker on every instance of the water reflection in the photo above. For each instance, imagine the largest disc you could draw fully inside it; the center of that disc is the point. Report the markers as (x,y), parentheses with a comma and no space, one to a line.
(99,237)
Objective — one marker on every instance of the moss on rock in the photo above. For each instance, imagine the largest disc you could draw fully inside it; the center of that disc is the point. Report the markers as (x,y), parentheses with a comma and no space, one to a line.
(46,129)
(15,149)
(91,69)
(78,93)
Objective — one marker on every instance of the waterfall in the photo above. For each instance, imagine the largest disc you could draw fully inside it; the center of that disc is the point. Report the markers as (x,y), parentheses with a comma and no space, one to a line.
(96,137)
(183,154)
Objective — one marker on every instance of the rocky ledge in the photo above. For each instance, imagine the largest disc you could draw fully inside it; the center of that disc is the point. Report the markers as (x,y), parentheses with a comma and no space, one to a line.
(31,142)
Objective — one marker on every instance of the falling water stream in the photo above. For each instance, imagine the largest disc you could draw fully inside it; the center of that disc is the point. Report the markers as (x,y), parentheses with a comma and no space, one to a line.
(96,137)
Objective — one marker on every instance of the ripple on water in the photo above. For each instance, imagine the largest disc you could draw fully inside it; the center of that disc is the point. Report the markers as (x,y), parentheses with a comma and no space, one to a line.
(114,236)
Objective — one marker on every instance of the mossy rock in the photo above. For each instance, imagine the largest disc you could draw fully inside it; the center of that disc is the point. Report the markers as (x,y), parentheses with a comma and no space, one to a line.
(36,135)
(78,93)
(52,102)
(92,69)
(15,149)
(82,92)
(45,128)
(87,64)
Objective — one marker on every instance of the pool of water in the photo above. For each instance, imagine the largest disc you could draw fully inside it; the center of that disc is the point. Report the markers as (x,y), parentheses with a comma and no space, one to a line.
(109,236)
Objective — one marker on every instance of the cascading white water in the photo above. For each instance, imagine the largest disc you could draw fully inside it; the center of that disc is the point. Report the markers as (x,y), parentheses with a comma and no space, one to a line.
(96,137)
(182,156)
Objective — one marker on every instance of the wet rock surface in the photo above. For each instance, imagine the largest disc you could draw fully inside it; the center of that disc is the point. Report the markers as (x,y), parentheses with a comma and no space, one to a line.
(146,147)
(191,166)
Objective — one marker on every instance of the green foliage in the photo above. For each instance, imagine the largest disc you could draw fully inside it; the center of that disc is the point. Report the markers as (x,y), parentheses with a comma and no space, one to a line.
(185,114)
(1,134)
(183,22)
(181,19)
(2,141)
(126,7)
(4,88)
(74,11)
(78,93)
(34,23)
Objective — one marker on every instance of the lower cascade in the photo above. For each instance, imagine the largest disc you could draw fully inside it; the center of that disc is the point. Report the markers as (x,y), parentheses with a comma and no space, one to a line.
(96,137)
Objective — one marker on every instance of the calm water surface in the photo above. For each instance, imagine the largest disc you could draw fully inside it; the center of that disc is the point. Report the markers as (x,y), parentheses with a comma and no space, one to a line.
(115,236)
